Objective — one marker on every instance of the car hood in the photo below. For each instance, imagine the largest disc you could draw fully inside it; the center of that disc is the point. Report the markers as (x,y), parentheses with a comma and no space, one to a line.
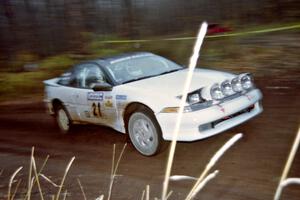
(172,84)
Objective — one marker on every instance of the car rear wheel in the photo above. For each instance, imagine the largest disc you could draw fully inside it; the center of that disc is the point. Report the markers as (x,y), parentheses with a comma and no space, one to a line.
(63,121)
(144,132)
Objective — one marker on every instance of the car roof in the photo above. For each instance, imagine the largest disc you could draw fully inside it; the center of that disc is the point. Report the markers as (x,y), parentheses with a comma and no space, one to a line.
(121,57)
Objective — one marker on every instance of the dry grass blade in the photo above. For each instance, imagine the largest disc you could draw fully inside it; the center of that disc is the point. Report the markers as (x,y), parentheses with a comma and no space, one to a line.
(28,195)
(65,195)
(44,164)
(290,181)
(49,180)
(169,194)
(147,192)
(37,178)
(213,161)
(119,159)
(112,172)
(143,195)
(16,189)
(11,182)
(33,180)
(288,164)
(224,148)
(182,177)
(203,183)
(192,65)
(81,188)
(1,172)
(114,169)
(113,160)
(64,177)
(101,197)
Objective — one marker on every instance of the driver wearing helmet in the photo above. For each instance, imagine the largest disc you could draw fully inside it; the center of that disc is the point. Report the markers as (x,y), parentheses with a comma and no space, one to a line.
(94,75)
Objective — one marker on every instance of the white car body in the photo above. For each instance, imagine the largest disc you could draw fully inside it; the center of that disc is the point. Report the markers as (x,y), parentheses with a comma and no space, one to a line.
(157,93)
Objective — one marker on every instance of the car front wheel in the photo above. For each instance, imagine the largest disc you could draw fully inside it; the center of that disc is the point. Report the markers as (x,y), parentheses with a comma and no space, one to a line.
(144,132)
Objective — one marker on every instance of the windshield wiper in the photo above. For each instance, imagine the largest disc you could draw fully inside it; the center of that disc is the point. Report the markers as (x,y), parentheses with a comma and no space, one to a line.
(137,79)
(173,70)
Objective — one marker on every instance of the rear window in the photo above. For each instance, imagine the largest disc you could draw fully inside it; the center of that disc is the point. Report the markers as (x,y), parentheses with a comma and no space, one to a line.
(65,78)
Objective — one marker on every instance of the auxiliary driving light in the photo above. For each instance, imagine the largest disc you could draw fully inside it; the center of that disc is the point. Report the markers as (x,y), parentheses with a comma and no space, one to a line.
(246,81)
(236,84)
(227,88)
(216,92)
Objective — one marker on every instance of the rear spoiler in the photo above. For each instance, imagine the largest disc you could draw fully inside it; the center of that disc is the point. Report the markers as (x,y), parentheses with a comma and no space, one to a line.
(51,82)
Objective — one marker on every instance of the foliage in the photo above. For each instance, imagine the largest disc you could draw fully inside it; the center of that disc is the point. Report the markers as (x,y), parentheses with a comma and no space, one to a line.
(256,54)
(17,85)
(59,62)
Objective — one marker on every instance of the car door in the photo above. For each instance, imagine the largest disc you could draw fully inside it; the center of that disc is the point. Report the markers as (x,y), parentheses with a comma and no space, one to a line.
(95,107)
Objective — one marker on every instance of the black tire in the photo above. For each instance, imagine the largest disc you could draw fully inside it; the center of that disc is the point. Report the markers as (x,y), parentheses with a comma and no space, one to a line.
(144,132)
(63,119)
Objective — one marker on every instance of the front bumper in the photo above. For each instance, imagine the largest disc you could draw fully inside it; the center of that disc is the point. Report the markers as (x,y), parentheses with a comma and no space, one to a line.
(212,120)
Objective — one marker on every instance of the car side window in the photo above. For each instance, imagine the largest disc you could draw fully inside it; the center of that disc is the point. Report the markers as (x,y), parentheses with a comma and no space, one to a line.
(87,75)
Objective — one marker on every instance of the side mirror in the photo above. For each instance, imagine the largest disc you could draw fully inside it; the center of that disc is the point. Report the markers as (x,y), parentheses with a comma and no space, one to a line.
(102,87)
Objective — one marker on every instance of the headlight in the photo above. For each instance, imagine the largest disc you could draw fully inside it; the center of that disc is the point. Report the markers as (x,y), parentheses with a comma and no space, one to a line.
(226,88)
(246,81)
(193,98)
(216,92)
(236,84)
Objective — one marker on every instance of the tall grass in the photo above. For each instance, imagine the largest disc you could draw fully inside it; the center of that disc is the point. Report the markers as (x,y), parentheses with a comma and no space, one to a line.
(82,190)
(35,174)
(114,168)
(284,181)
(11,180)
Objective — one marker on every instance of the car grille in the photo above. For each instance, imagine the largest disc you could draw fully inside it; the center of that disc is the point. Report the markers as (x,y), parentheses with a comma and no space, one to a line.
(211,125)
(246,110)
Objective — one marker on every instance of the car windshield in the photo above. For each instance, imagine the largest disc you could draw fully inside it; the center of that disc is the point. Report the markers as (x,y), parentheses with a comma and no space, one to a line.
(139,67)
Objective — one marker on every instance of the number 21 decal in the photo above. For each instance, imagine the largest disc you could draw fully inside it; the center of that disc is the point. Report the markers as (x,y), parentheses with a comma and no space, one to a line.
(96,109)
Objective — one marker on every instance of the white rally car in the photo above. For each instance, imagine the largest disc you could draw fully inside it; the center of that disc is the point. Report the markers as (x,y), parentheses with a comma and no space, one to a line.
(139,94)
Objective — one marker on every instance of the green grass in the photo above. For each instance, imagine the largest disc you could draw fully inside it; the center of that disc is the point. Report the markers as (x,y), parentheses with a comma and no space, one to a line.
(16,85)
(56,63)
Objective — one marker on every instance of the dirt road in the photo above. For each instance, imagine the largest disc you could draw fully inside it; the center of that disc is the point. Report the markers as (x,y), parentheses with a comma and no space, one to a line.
(250,170)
